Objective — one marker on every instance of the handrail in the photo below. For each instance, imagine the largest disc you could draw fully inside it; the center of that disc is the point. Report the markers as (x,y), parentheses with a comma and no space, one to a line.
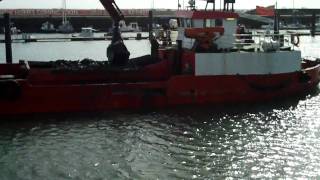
(259,39)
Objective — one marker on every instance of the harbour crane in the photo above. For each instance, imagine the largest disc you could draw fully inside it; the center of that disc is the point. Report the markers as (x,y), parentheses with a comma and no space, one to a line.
(117,52)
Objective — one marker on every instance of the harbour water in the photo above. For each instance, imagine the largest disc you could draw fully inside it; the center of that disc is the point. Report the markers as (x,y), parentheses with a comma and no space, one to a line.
(267,140)
(69,50)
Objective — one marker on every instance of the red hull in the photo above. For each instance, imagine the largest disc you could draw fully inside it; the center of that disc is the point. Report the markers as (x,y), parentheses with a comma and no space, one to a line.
(55,96)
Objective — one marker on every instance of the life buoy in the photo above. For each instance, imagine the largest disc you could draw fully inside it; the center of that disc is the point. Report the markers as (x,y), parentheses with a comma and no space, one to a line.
(204,36)
(295,40)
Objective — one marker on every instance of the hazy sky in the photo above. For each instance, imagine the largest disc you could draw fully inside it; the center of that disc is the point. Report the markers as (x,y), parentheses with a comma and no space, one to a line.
(125,4)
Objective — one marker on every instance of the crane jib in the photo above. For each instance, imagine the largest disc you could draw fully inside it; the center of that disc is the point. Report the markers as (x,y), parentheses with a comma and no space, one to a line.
(113,10)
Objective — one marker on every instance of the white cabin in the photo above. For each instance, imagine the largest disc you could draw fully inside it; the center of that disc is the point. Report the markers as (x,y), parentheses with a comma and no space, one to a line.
(87,32)
(205,19)
(268,58)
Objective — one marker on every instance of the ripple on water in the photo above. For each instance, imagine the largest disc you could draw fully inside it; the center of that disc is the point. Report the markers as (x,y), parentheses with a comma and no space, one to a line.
(266,141)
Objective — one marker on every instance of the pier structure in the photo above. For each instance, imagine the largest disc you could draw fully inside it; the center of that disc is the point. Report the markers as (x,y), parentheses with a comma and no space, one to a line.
(30,20)
(305,17)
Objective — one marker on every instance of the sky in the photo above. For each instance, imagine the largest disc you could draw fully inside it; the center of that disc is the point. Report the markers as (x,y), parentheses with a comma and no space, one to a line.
(145,4)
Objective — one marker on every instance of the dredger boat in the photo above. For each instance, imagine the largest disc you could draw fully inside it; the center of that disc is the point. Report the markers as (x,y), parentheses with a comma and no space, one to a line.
(208,65)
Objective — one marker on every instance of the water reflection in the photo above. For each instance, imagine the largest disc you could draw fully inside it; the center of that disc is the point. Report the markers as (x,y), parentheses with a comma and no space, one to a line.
(265,141)
(269,140)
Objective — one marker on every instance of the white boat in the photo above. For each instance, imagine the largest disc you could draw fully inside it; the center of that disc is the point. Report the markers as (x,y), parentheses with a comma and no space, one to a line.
(296,26)
(66,26)
(132,27)
(15,30)
(87,32)
(27,37)
(48,27)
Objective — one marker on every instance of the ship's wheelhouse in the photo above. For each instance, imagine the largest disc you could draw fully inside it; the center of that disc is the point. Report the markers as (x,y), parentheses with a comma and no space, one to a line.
(208,19)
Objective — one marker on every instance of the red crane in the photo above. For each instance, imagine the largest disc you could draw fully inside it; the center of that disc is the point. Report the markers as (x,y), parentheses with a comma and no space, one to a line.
(117,52)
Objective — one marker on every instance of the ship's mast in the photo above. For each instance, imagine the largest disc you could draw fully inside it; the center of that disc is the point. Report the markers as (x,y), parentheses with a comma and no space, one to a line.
(64,7)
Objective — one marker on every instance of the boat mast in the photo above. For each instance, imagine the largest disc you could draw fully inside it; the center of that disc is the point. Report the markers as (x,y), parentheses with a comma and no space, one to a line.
(64,7)
(293,13)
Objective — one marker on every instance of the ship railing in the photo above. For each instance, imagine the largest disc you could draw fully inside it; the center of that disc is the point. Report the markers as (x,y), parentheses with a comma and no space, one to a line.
(257,40)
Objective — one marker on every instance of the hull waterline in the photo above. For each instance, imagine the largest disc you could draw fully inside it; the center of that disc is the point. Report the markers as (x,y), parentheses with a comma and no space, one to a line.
(57,97)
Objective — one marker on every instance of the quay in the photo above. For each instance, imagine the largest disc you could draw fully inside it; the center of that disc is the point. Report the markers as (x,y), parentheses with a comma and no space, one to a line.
(99,19)
(64,39)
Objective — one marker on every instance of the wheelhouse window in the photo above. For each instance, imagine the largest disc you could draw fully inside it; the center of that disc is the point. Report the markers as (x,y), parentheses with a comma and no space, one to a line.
(198,23)
(188,23)
(181,22)
(209,23)
(219,22)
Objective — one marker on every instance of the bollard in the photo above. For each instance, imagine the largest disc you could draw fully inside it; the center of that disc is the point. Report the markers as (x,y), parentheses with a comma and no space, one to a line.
(139,36)
(8,38)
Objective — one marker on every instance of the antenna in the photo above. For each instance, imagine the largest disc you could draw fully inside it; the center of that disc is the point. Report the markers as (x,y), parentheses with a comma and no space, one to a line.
(226,5)
(192,4)
(213,4)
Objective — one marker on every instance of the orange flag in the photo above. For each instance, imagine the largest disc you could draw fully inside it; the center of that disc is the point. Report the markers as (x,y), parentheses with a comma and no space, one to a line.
(265,11)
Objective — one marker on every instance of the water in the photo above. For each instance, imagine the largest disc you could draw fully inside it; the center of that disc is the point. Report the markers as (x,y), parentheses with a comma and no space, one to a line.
(50,51)
(267,140)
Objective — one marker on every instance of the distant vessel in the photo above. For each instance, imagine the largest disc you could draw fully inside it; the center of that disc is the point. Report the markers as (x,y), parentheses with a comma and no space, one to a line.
(132,27)
(48,27)
(267,26)
(87,32)
(296,26)
(66,26)
(15,30)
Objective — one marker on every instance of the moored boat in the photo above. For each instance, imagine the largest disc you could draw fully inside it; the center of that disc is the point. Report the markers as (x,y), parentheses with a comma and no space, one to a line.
(203,68)
(132,27)
(86,32)
(48,27)
(66,26)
